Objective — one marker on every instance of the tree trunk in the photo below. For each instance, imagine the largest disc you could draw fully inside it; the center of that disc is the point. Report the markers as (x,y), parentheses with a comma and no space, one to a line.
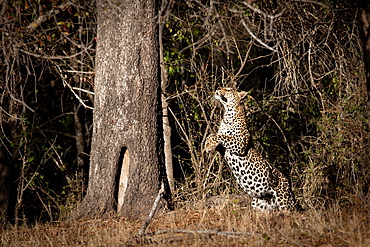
(127,120)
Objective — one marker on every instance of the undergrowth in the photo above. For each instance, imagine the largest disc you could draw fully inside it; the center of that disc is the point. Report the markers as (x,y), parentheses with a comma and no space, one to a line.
(224,221)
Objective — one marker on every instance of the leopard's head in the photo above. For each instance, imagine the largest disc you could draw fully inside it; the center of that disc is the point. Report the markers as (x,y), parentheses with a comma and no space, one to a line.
(229,97)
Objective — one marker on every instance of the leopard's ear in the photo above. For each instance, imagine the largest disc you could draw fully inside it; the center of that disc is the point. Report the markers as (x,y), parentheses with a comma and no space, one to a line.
(242,94)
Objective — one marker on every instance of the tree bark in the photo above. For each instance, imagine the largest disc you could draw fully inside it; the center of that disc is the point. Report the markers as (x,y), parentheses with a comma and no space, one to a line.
(127,120)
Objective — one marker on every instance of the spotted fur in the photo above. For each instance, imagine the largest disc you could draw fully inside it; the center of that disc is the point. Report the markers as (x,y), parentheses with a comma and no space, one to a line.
(233,133)
(269,188)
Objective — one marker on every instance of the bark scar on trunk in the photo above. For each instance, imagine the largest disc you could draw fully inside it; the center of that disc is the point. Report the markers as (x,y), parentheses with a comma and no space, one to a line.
(124,168)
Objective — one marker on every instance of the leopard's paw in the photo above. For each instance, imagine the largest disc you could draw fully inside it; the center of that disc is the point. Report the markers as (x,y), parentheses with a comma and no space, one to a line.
(211,143)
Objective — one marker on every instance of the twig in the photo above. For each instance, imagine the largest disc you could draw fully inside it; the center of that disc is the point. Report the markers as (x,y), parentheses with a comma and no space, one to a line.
(263,13)
(255,37)
(21,102)
(277,125)
(83,90)
(281,131)
(152,211)
(65,83)
(32,27)
(207,232)
(139,239)
(186,136)
(51,57)
(80,72)
(313,1)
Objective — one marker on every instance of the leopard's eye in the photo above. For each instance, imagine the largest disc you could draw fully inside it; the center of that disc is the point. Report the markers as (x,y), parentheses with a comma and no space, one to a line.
(223,98)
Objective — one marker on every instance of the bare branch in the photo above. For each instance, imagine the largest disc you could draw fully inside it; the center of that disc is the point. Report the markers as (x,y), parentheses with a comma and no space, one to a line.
(263,13)
(80,72)
(65,83)
(21,102)
(207,232)
(152,211)
(52,57)
(312,1)
(256,38)
(83,90)
(32,27)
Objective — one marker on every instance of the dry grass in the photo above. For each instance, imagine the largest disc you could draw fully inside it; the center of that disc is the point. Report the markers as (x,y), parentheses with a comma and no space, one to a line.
(332,226)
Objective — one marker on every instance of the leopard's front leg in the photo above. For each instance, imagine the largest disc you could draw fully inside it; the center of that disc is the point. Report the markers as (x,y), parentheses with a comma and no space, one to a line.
(212,142)
(235,145)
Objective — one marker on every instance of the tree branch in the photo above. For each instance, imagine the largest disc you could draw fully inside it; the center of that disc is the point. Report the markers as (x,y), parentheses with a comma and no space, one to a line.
(255,37)
(32,27)
(152,211)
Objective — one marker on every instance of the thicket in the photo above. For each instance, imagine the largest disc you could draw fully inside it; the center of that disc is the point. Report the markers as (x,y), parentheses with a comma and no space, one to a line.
(301,61)
(47,61)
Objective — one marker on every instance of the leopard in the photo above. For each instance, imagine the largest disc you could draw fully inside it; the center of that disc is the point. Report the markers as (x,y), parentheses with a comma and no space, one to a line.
(269,188)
